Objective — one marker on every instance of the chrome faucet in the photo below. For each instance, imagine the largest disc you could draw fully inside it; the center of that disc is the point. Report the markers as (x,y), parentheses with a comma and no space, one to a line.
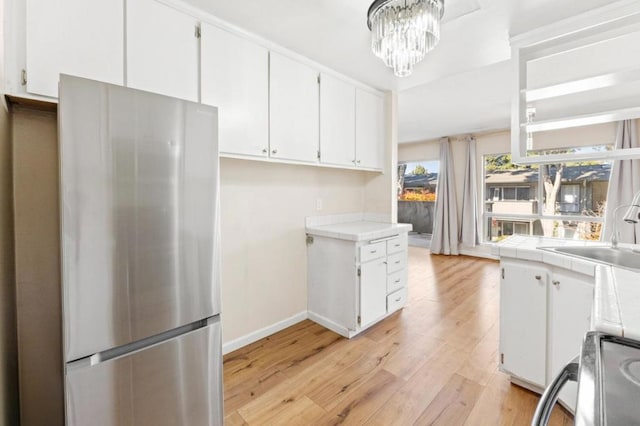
(632,215)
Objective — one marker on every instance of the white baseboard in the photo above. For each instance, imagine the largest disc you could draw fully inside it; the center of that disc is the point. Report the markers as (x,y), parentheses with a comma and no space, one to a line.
(262,333)
(343,331)
(479,251)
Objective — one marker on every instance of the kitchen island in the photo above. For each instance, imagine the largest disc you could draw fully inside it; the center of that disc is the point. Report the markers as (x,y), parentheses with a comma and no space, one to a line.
(357,270)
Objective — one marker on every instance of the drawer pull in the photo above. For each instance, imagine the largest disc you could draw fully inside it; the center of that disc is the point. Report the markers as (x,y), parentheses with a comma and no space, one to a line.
(397,262)
(538,277)
(398,280)
(373,251)
(397,245)
(398,299)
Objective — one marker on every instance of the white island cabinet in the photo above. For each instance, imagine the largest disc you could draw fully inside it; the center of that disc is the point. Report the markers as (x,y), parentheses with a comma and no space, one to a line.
(357,273)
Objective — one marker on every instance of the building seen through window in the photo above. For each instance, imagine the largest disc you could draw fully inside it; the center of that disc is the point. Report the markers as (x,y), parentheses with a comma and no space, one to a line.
(564,200)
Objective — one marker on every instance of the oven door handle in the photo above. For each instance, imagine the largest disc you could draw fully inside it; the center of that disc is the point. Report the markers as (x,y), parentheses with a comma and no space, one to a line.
(550,395)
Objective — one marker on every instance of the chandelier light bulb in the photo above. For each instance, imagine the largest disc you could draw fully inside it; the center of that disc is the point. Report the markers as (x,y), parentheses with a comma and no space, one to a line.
(403,31)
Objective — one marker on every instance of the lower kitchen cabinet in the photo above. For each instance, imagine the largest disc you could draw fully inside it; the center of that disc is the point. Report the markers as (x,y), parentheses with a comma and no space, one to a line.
(570,303)
(544,314)
(373,291)
(354,284)
(523,318)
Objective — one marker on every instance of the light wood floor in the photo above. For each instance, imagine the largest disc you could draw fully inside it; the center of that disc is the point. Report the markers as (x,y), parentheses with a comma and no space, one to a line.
(434,362)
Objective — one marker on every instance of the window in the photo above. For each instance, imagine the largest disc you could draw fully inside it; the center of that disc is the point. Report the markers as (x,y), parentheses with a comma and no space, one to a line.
(563,200)
(417,183)
(569,198)
(509,193)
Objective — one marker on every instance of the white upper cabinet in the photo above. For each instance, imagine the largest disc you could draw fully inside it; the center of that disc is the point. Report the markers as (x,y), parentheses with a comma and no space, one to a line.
(77,37)
(369,130)
(235,77)
(162,50)
(337,122)
(294,107)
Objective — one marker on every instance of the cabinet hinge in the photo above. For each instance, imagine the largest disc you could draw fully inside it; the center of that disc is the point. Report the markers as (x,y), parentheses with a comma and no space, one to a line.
(23,77)
(502,358)
(198,31)
(359,320)
(503,273)
(359,272)
(309,240)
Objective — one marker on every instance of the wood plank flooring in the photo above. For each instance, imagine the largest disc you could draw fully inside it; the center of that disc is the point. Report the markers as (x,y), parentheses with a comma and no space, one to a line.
(434,362)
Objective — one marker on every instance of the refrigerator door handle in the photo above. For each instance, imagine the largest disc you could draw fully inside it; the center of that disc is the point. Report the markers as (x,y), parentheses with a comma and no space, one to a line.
(550,395)
(138,345)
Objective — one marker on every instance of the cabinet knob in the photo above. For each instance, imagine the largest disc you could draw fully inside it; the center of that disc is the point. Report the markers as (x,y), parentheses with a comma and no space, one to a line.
(538,277)
(556,283)
(358,161)
(275,151)
(264,151)
(354,161)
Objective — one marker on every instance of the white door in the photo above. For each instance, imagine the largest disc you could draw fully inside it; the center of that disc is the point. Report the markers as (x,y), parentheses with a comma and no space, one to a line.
(373,291)
(369,130)
(337,122)
(570,300)
(523,319)
(162,50)
(294,109)
(83,38)
(235,78)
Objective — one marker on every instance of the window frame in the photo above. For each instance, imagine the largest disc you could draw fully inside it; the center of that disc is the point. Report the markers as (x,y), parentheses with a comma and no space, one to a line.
(485,215)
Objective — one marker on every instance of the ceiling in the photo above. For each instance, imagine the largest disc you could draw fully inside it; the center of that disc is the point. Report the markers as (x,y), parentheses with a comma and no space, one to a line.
(462,85)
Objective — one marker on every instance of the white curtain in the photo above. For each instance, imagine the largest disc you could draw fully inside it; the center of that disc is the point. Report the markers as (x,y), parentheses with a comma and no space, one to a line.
(624,183)
(445,222)
(469,234)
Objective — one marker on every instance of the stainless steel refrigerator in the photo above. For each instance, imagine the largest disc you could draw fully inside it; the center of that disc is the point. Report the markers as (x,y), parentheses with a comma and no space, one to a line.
(140,262)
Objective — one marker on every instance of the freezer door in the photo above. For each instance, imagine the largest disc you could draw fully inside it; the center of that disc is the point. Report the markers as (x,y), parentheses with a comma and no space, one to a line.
(177,382)
(139,192)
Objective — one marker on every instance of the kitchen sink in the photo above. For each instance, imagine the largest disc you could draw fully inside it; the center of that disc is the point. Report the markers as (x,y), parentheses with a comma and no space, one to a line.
(621,257)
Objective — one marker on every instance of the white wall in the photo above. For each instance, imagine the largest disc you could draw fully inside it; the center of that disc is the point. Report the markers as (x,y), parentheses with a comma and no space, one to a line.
(264,263)
(380,191)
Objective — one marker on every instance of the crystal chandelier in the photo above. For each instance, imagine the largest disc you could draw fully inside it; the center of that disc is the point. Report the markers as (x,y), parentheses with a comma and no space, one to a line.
(403,31)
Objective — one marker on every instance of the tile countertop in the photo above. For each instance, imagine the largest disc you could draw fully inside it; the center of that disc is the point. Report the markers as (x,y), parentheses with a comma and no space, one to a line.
(359,227)
(616,307)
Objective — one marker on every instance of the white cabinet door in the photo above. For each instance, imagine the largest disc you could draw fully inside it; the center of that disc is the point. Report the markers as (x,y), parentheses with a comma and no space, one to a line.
(294,109)
(162,50)
(373,291)
(76,37)
(523,321)
(369,130)
(337,122)
(571,299)
(235,78)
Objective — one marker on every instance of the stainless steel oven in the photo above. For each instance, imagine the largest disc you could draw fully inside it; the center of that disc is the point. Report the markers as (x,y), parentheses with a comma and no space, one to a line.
(608,376)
